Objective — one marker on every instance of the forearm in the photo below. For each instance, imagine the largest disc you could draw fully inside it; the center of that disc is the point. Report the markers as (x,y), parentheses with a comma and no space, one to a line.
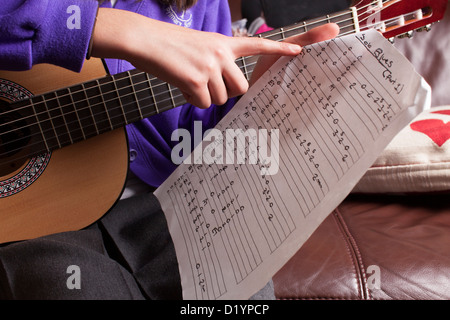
(201,64)
(113,34)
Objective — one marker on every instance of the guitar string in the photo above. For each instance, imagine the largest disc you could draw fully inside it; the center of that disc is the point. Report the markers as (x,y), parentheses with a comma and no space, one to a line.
(302,26)
(119,116)
(173,97)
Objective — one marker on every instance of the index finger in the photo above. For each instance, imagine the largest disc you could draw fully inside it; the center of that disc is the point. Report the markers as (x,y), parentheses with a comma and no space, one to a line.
(248,46)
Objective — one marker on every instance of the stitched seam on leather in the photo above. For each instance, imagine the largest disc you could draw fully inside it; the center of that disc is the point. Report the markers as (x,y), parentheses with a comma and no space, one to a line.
(350,251)
(356,255)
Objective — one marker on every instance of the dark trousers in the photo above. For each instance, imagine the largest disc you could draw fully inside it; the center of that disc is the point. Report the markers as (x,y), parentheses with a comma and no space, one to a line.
(128,254)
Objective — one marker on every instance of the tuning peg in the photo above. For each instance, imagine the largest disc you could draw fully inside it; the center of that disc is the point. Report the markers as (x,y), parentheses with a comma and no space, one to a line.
(408,34)
(424,28)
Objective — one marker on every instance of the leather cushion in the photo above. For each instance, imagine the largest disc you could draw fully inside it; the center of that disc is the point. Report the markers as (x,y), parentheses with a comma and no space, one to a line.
(374,247)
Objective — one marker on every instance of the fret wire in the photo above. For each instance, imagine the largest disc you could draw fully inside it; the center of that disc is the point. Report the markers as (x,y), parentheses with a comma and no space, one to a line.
(104,105)
(51,120)
(39,125)
(64,119)
(78,118)
(90,109)
(62,127)
(152,93)
(180,99)
(120,101)
(171,96)
(129,100)
(41,107)
(135,95)
(245,69)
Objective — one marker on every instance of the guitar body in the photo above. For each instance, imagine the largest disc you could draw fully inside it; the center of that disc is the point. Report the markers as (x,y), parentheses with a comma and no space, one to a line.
(66,189)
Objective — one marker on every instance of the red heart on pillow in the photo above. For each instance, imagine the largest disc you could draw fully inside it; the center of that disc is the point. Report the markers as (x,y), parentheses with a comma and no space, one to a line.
(445,111)
(436,129)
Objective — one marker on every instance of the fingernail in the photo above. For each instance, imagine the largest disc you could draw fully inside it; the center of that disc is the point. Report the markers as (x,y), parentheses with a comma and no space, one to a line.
(295,48)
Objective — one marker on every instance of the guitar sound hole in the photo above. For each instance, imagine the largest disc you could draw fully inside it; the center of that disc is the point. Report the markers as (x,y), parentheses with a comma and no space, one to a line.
(14,137)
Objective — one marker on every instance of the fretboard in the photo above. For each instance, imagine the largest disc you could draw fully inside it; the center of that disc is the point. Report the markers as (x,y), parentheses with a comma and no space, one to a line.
(344,19)
(76,113)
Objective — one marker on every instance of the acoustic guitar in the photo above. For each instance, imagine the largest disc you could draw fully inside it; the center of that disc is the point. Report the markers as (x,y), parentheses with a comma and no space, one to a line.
(63,147)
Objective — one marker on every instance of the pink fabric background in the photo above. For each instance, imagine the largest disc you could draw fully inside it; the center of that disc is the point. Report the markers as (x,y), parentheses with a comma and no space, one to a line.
(429,52)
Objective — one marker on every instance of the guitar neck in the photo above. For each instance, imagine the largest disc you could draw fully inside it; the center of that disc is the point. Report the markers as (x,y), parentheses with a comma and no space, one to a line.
(82,111)
(64,117)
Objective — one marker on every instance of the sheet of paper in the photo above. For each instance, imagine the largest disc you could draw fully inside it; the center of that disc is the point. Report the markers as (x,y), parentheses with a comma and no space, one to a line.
(306,132)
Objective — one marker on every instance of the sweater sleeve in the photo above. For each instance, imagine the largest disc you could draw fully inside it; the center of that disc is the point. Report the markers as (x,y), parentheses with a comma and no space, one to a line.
(45,31)
(150,140)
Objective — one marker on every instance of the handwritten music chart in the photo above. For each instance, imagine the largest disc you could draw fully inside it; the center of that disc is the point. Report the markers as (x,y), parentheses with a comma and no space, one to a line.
(336,107)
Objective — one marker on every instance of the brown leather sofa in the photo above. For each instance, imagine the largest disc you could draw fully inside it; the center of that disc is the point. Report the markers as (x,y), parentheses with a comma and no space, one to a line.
(375,247)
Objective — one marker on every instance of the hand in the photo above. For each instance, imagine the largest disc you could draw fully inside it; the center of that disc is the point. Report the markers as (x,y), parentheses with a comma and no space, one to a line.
(201,64)
(322,33)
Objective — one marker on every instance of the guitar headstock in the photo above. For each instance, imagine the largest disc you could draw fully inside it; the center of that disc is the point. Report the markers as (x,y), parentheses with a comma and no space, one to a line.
(398,17)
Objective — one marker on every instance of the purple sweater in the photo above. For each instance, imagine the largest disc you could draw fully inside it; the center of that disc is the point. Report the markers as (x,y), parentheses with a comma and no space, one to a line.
(36,31)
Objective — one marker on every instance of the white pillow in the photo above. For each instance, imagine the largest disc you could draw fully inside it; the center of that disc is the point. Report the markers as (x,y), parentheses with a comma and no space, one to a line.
(416,160)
